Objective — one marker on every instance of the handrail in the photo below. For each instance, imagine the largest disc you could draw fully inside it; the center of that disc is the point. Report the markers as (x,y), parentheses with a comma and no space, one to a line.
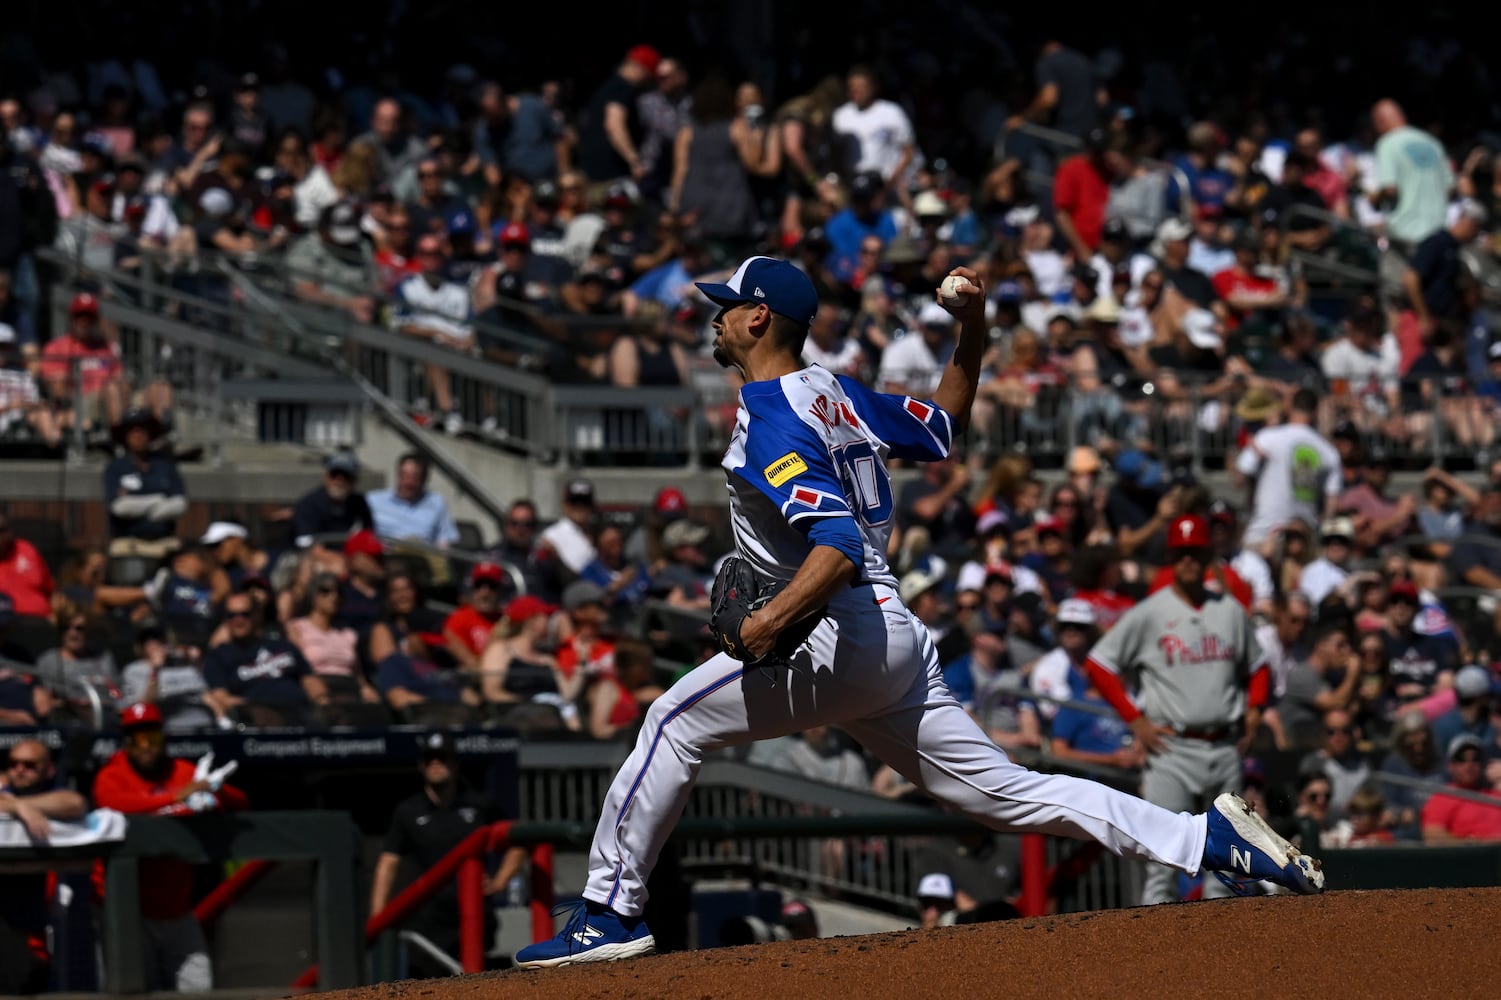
(1435,788)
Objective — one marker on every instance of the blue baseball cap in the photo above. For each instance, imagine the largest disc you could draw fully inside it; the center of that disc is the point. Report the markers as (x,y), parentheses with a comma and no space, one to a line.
(774,283)
(1139,469)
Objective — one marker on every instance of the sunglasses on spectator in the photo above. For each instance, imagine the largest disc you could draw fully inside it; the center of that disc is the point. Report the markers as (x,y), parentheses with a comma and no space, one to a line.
(968,605)
(232,613)
(520,522)
(26,763)
(1469,758)
(1065,502)
(427,174)
(328,590)
(76,627)
(1338,730)
(1316,796)
(1297,619)
(486,584)
(146,737)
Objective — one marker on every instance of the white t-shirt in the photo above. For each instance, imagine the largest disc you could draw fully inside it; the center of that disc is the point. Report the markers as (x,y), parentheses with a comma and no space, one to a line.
(1294,468)
(1343,360)
(882,131)
(1253,569)
(1050,680)
(1278,660)
(572,545)
(844,359)
(1049,272)
(911,363)
(1319,578)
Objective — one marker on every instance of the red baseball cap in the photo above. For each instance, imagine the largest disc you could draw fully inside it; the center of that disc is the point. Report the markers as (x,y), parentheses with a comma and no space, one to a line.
(528,606)
(1403,588)
(514,234)
(140,714)
(1191,531)
(84,304)
(493,572)
(644,56)
(670,500)
(364,542)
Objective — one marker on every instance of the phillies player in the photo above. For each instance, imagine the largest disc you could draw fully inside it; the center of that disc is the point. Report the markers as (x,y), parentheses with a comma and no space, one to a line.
(141,778)
(1201,680)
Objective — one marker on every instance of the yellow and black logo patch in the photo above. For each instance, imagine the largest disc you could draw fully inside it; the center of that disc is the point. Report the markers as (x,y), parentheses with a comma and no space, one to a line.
(787,467)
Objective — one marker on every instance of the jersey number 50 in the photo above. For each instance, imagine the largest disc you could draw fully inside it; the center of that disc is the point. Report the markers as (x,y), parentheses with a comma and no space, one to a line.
(866,482)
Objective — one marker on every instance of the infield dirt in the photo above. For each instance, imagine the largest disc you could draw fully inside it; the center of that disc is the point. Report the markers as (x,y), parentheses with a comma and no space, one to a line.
(1407,944)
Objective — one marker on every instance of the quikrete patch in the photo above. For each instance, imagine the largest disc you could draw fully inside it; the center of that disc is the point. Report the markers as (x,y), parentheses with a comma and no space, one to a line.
(785,468)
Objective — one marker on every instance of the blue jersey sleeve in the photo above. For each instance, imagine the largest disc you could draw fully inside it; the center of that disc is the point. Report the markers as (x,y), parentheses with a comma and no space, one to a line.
(914,429)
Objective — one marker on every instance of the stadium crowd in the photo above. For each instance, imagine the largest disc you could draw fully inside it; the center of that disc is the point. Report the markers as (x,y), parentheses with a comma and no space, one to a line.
(1168,283)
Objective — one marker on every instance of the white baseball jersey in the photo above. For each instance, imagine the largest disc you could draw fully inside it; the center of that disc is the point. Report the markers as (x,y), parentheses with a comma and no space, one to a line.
(811,447)
(1192,665)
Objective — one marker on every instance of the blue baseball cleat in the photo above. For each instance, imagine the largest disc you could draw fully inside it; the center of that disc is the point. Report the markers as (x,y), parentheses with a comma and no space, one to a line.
(1242,851)
(592,934)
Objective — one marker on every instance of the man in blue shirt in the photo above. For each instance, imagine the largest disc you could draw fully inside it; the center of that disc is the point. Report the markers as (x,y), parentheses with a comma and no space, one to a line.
(410,510)
(143,489)
(866,216)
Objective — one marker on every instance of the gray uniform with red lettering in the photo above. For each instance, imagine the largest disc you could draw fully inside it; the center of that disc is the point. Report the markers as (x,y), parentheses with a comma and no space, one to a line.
(1189,669)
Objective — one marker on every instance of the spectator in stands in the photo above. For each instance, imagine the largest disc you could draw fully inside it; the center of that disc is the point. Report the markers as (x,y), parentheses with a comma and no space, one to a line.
(830,346)
(858,233)
(88,237)
(362,596)
(425,828)
(618,697)
(1448,819)
(1378,519)
(144,491)
(1413,177)
(431,307)
(142,779)
(21,403)
(521,682)
(1171,250)
(937,503)
(79,660)
(518,537)
(913,364)
(330,649)
(1081,191)
(565,548)
(1094,737)
(876,133)
(468,630)
(396,149)
(30,794)
(586,648)
(233,559)
(609,144)
(333,266)
(1329,572)
(1324,682)
(1313,791)
(261,680)
(1471,714)
(1339,760)
(1057,675)
(1420,663)
(1139,507)
(85,363)
(1362,366)
(408,626)
(410,510)
(169,675)
(334,508)
(25,580)
(985,681)
(1433,275)
(1414,754)
(683,579)
(1479,565)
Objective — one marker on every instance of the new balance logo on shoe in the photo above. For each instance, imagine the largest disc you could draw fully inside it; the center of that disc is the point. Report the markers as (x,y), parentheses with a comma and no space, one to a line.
(1240,859)
(588,935)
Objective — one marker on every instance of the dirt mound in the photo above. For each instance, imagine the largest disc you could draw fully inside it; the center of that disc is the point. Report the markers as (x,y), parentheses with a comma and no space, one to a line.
(1414,943)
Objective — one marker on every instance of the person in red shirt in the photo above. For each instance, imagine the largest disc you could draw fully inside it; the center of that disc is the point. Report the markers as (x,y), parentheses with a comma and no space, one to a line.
(585,648)
(1448,819)
(23,573)
(1219,577)
(98,363)
(1241,287)
(142,779)
(1081,189)
(466,632)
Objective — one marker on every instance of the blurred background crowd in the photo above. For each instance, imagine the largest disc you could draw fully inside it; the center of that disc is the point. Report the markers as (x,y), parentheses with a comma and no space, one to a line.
(1188,252)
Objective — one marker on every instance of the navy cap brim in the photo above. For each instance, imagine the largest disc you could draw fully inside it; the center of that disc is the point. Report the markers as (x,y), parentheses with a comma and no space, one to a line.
(721,294)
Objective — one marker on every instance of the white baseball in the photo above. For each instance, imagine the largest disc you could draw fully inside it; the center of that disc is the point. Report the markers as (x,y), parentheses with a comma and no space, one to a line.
(949,290)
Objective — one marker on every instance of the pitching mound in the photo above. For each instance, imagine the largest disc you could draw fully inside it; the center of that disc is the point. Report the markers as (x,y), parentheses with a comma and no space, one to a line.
(1417,943)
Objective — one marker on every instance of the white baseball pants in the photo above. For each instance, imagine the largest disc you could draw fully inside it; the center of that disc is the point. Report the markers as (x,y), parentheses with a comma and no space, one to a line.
(870,668)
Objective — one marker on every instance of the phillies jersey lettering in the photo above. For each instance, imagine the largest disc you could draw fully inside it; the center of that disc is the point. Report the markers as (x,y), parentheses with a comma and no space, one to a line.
(813,445)
(1191,665)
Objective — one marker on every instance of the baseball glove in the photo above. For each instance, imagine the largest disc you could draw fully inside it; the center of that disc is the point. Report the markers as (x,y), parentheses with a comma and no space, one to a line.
(739,590)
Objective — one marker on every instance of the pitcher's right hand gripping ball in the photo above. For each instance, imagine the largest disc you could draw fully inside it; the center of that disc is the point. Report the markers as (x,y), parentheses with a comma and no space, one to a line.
(739,590)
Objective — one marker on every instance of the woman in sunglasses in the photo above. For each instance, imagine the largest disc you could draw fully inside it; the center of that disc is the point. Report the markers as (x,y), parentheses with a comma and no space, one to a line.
(331,650)
(79,660)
